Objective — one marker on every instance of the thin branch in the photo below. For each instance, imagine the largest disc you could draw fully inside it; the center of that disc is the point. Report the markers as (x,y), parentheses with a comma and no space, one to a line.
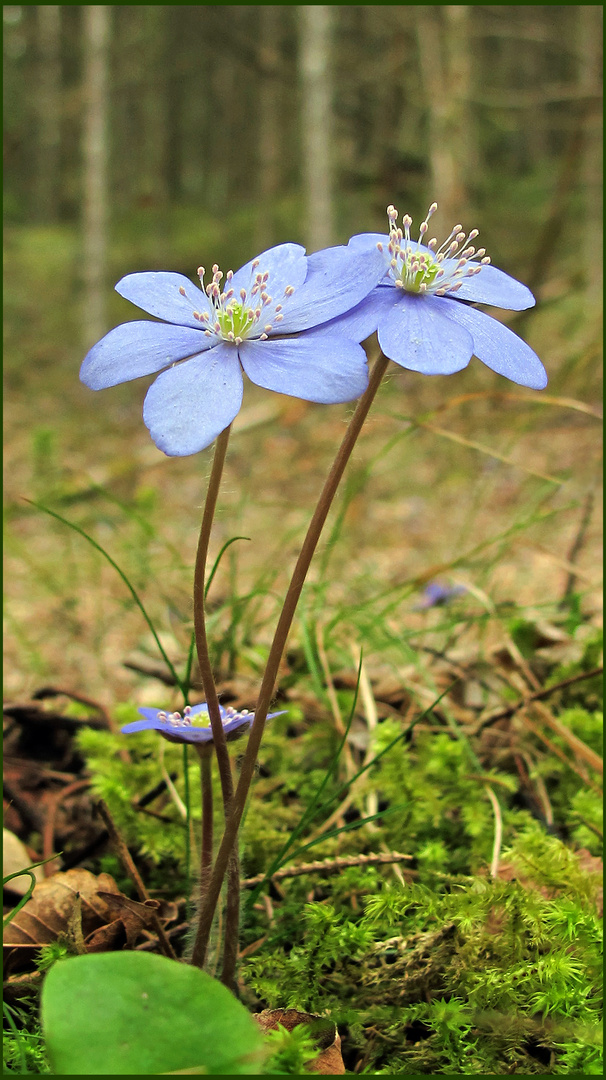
(536,695)
(126,859)
(327,866)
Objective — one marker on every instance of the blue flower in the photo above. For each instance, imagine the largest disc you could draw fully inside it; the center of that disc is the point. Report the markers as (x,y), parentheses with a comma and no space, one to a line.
(437,595)
(208,335)
(194,725)
(421,307)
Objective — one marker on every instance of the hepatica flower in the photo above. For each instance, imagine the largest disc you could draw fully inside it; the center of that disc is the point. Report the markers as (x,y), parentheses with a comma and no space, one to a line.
(421,309)
(194,725)
(266,319)
(438,595)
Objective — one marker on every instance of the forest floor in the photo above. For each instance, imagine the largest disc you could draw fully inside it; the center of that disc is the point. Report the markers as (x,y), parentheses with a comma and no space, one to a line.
(491,789)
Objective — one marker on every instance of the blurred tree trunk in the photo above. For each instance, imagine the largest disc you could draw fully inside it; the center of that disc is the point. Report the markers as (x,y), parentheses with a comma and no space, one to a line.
(268,170)
(154,105)
(443,41)
(95,155)
(590,79)
(315,24)
(48,107)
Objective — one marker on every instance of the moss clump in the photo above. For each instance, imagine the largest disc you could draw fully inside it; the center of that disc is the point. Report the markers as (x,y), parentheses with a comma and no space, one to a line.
(472,975)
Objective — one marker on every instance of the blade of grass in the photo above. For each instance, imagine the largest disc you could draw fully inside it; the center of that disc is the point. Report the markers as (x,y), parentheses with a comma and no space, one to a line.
(131,589)
(19,873)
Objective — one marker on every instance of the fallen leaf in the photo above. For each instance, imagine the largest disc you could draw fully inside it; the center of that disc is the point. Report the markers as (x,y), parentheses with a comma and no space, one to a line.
(329,1061)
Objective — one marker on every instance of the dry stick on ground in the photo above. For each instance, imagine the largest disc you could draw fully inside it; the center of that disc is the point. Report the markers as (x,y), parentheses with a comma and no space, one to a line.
(83,699)
(126,859)
(536,695)
(328,866)
(48,832)
(560,754)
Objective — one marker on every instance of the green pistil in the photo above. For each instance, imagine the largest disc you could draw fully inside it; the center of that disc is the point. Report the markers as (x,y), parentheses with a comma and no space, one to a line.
(235,319)
(425,276)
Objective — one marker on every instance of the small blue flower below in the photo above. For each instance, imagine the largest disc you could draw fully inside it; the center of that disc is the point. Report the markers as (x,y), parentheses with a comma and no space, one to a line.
(194,725)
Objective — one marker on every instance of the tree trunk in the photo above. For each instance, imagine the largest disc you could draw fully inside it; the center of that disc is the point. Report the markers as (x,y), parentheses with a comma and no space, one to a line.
(315,25)
(590,62)
(48,108)
(95,210)
(268,166)
(442,41)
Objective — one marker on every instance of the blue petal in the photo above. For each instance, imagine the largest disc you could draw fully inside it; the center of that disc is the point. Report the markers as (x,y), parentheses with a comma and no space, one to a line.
(158,293)
(318,366)
(498,347)
(493,286)
(285,264)
(238,722)
(337,279)
(190,404)
(362,321)
(138,348)
(417,334)
(367,241)
(172,732)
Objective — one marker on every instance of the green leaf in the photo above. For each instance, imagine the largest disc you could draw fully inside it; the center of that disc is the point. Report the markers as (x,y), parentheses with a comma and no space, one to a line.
(130,1013)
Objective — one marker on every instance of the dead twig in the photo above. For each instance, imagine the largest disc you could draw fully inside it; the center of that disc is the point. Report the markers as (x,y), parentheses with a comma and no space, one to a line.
(536,695)
(126,859)
(48,833)
(327,866)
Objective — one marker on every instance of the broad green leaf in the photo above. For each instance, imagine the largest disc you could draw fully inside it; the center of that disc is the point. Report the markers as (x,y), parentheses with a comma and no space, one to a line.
(129,1013)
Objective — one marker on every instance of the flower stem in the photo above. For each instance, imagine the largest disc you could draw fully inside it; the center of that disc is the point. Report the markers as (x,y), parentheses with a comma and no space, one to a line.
(208,682)
(220,743)
(275,655)
(206,858)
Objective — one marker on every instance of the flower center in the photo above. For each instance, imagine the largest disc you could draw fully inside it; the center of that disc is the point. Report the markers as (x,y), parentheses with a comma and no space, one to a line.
(200,719)
(233,319)
(431,269)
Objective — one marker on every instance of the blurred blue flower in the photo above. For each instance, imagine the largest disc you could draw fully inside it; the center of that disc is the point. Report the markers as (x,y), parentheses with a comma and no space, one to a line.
(437,595)
(421,308)
(208,335)
(194,725)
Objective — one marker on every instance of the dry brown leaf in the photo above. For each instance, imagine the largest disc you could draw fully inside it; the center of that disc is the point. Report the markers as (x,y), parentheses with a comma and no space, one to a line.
(47,912)
(135,916)
(329,1061)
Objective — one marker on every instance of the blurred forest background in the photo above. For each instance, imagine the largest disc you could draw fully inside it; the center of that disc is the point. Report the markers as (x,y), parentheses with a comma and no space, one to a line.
(168,137)
(162,137)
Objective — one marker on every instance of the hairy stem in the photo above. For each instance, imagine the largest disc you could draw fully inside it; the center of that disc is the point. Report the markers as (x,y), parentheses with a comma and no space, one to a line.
(275,655)
(206,857)
(230,953)
(232,922)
